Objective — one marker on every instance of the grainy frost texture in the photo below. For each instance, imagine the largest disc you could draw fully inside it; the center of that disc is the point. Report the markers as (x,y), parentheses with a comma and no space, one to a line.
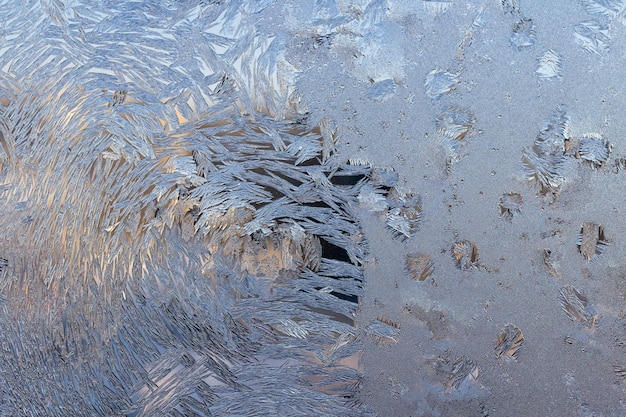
(312,208)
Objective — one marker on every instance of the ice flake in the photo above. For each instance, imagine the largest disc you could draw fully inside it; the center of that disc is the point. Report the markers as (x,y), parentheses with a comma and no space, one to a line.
(436,8)
(508,343)
(549,65)
(591,240)
(593,149)
(523,34)
(593,37)
(547,163)
(455,123)
(439,82)
(613,9)
(381,90)
(465,253)
(420,266)
(383,330)
(510,205)
(404,213)
(574,304)
(510,6)
(464,370)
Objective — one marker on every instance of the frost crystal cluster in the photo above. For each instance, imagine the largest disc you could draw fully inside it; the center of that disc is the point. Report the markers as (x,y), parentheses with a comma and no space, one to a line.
(174,238)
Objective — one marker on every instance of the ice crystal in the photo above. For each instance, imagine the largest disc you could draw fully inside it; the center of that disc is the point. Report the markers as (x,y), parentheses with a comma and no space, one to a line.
(593,149)
(546,163)
(510,6)
(612,9)
(383,330)
(591,240)
(510,205)
(405,210)
(549,65)
(436,8)
(455,123)
(381,90)
(420,266)
(439,82)
(523,34)
(464,370)
(465,253)
(509,342)
(575,304)
(593,37)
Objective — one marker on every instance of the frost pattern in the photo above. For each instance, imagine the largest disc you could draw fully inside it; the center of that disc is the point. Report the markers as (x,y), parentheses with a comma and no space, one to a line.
(549,65)
(176,240)
(439,82)
(546,162)
(593,37)
(524,34)
(613,9)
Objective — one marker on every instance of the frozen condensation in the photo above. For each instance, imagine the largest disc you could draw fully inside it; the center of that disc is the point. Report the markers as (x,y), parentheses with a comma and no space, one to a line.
(176,239)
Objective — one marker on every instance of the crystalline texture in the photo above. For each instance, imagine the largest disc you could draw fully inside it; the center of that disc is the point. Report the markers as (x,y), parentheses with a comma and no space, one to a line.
(173,241)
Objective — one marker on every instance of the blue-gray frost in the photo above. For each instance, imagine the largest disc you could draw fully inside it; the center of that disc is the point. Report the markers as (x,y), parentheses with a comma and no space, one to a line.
(176,238)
